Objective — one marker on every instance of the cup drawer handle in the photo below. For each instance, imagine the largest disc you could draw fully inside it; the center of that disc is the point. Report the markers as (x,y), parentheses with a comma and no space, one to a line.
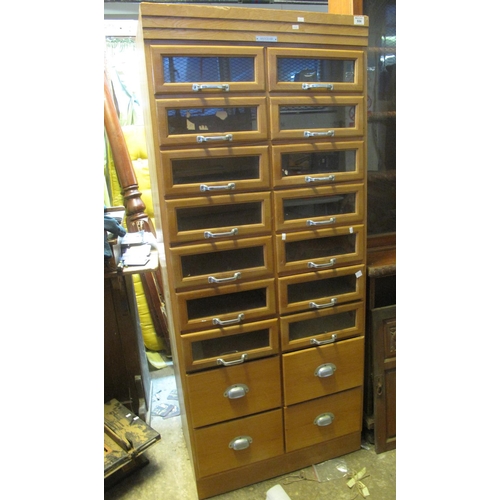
(236,391)
(324,419)
(240,443)
(326,370)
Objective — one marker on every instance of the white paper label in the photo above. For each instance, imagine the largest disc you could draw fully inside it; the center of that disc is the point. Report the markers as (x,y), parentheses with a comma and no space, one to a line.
(300,19)
(359,274)
(295,26)
(359,20)
(283,236)
(351,230)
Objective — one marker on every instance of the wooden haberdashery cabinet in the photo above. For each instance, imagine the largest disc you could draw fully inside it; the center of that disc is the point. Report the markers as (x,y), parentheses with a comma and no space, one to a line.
(256,123)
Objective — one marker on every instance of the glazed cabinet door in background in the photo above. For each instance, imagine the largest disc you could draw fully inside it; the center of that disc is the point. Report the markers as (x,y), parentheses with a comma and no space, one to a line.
(207,69)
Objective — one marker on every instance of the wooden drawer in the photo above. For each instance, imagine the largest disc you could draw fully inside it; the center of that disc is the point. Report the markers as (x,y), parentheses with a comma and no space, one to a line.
(216,452)
(215,171)
(311,117)
(322,326)
(322,249)
(316,208)
(216,217)
(323,370)
(211,121)
(235,391)
(317,163)
(230,345)
(315,70)
(220,262)
(321,289)
(207,69)
(343,409)
(226,305)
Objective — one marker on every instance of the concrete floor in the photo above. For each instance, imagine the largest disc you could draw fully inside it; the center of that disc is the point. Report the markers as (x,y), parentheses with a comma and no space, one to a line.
(169,474)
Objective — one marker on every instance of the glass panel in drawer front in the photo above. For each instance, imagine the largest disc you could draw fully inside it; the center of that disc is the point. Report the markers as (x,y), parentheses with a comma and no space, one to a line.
(239,442)
(319,117)
(222,216)
(322,326)
(220,262)
(339,414)
(320,249)
(215,170)
(321,289)
(234,392)
(226,305)
(316,372)
(317,163)
(325,206)
(315,70)
(207,69)
(211,120)
(218,346)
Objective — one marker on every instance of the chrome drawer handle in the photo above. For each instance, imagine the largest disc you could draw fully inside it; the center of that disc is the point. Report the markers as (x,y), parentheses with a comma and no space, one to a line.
(313,305)
(236,391)
(197,86)
(310,222)
(240,443)
(307,86)
(204,187)
(330,133)
(202,138)
(308,178)
(217,321)
(324,419)
(220,361)
(212,279)
(330,263)
(209,234)
(323,342)
(326,370)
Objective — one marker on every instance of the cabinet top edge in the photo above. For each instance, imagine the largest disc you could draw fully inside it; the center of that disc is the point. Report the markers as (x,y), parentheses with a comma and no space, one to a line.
(246,14)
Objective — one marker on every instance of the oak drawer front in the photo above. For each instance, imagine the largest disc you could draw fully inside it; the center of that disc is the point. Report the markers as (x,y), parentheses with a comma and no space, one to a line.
(239,442)
(226,305)
(315,70)
(211,121)
(323,326)
(218,217)
(322,419)
(222,262)
(231,345)
(317,163)
(206,69)
(194,172)
(323,370)
(316,117)
(322,249)
(321,290)
(316,208)
(235,391)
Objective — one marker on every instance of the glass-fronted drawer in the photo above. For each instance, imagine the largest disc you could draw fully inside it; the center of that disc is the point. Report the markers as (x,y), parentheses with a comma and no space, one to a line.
(325,206)
(234,392)
(321,289)
(202,69)
(319,117)
(216,217)
(216,170)
(317,372)
(211,120)
(226,305)
(322,326)
(239,442)
(222,262)
(315,70)
(323,419)
(230,345)
(317,163)
(322,249)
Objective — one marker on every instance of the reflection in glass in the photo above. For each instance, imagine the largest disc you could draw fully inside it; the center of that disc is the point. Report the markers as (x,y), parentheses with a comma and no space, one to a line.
(318,289)
(304,117)
(318,163)
(300,208)
(199,170)
(324,324)
(320,247)
(296,69)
